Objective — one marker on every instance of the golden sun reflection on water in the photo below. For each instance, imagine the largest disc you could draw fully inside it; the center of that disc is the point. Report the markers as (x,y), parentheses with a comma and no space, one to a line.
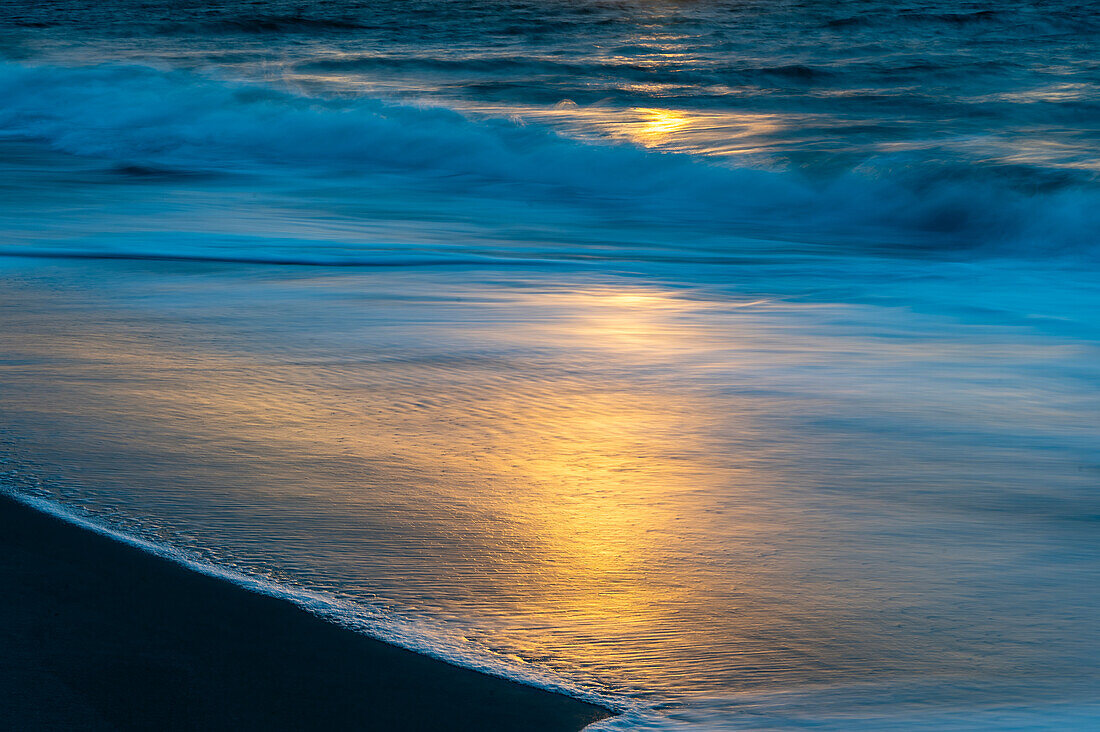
(715,133)
(718,133)
(650,321)
(660,124)
(544,467)
(535,501)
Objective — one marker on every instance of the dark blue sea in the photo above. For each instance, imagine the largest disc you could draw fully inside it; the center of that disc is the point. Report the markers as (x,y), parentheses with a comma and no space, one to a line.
(734,363)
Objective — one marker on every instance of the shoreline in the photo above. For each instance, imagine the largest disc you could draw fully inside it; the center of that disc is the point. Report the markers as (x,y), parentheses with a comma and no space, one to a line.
(102,635)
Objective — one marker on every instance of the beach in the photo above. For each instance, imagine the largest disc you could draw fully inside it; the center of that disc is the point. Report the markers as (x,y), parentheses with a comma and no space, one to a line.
(625,490)
(98,635)
(734,365)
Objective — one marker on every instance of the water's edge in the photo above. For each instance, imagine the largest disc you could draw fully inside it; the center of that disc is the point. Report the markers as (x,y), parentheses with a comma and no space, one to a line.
(347,615)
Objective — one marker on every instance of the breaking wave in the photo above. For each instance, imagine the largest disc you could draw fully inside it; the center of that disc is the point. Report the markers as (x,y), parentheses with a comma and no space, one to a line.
(142,118)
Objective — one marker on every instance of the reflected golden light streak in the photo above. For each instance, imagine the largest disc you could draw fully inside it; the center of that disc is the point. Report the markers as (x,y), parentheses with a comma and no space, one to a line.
(712,133)
(567,487)
(660,124)
(523,465)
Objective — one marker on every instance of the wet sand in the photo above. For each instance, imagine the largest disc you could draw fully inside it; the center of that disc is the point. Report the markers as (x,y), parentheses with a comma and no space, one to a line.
(98,635)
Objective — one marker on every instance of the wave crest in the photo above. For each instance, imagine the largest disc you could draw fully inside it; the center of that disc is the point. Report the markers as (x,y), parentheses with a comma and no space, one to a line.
(143,118)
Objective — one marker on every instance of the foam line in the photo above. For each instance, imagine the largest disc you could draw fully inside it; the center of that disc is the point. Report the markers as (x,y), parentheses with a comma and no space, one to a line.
(358,618)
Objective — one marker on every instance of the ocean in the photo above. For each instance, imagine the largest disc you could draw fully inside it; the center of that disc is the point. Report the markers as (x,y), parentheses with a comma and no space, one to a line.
(733,363)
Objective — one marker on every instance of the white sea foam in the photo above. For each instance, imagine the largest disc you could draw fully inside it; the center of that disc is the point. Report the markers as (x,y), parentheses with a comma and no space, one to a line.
(180,120)
(809,708)
(442,644)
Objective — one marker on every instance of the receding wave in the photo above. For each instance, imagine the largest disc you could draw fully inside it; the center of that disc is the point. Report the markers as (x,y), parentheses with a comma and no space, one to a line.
(814,707)
(438,643)
(144,118)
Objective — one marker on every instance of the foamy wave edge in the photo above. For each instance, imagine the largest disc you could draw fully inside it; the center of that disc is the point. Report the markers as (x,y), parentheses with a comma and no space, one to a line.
(146,116)
(351,616)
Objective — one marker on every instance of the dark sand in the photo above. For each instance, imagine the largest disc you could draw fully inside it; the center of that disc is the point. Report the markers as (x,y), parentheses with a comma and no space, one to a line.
(98,635)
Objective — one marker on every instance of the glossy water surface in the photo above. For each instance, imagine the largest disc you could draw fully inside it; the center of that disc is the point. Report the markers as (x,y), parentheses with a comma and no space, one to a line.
(733,362)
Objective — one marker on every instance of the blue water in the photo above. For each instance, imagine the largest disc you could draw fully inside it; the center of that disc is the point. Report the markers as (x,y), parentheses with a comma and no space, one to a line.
(733,363)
